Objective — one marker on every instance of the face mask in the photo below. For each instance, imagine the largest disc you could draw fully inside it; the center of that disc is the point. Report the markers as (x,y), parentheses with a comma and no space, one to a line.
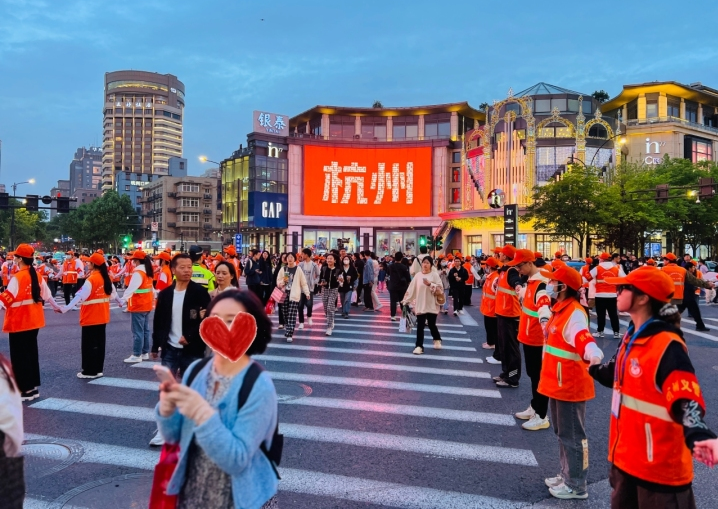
(443,264)
(346,262)
(552,290)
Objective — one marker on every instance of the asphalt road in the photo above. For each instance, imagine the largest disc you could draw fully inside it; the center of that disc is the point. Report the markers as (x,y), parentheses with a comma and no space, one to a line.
(366,423)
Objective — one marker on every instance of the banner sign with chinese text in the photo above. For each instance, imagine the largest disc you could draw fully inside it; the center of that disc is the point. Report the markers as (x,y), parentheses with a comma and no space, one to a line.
(371,182)
(270,123)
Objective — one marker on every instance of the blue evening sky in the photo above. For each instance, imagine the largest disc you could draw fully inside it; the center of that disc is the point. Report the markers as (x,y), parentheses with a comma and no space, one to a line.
(54,53)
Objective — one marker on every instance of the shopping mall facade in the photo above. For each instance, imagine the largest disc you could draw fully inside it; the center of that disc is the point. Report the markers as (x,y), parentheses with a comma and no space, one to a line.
(378,178)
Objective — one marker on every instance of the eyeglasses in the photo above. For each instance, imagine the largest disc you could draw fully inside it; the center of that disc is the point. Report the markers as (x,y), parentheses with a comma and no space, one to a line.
(630,288)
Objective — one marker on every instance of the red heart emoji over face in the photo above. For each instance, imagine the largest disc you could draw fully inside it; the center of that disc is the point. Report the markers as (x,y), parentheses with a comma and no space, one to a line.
(231,343)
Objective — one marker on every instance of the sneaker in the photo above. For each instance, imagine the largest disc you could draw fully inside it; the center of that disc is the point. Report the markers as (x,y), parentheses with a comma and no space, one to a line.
(446,311)
(526,414)
(492,360)
(393,319)
(437,344)
(133,359)
(704,329)
(30,395)
(280,326)
(355,304)
(616,335)
(81,375)
(536,423)
(506,384)
(564,492)
(598,334)
(497,378)
(289,338)
(368,310)
(456,313)
(418,350)
(301,326)
(552,482)
(487,346)
(329,331)
(309,321)
(145,356)
(346,316)
(157,440)
(462,312)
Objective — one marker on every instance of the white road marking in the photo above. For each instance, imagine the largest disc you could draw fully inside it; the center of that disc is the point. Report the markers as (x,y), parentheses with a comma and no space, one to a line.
(377,353)
(467,319)
(409,345)
(395,334)
(370,320)
(126,383)
(685,331)
(341,322)
(135,413)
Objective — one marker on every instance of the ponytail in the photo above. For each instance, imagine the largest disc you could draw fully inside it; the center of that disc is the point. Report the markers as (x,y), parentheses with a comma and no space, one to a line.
(667,312)
(34,283)
(148,266)
(102,269)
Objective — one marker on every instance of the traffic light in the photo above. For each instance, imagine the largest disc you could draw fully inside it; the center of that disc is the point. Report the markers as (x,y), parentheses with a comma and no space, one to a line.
(438,242)
(430,242)
(63,204)
(128,242)
(4,201)
(422,240)
(705,186)
(662,194)
(31,202)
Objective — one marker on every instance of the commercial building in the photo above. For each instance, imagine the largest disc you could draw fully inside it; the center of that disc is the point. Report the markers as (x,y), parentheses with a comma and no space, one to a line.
(365,178)
(85,195)
(132,184)
(61,189)
(142,124)
(86,169)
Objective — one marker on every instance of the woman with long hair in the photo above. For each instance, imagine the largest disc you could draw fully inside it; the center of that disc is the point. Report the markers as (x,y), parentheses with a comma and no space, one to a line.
(139,297)
(24,317)
(265,278)
(282,262)
(330,279)
(293,283)
(350,277)
(422,292)
(226,278)
(94,301)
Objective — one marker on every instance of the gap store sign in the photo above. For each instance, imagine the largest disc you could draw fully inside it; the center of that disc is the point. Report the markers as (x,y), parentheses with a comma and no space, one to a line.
(268,210)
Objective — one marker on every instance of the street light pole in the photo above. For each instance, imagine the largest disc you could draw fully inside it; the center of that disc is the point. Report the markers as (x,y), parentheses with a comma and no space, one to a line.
(12,216)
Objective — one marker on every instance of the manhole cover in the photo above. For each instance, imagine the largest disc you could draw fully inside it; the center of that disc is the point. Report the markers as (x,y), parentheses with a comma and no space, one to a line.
(715,367)
(122,492)
(287,391)
(45,457)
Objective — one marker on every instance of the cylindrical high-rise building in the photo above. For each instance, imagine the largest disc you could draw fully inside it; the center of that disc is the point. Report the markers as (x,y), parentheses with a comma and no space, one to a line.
(142,123)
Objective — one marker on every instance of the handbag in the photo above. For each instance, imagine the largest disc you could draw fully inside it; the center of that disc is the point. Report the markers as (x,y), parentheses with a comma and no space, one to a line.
(12,487)
(440,297)
(169,457)
(278,295)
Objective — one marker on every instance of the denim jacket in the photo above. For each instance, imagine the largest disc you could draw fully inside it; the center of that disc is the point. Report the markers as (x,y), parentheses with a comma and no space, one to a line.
(230,438)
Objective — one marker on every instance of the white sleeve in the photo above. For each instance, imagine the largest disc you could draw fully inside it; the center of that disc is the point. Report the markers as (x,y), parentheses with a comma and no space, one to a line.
(135,283)
(620,272)
(10,417)
(80,267)
(46,294)
(576,324)
(11,288)
(81,296)
(593,273)
(115,297)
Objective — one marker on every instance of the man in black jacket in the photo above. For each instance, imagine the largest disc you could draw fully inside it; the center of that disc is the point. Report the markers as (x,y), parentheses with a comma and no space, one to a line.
(457,277)
(399,280)
(253,273)
(178,314)
(359,266)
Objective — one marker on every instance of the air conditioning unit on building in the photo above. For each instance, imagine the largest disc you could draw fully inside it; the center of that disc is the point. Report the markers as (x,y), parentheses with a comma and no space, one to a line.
(171,210)
(207,196)
(171,195)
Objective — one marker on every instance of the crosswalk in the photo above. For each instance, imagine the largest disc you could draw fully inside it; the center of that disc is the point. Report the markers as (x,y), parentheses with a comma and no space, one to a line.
(364,398)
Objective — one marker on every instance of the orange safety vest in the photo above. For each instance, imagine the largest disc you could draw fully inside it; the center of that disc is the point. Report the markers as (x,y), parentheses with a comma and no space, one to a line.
(644,441)
(235,261)
(530,331)
(564,374)
(96,309)
(155,272)
(507,302)
(678,275)
(601,275)
(69,272)
(468,268)
(699,275)
(586,274)
(113,270)
(129,269)
(161,285)
(141,300)
(488,297)
(42,272)
(21,312)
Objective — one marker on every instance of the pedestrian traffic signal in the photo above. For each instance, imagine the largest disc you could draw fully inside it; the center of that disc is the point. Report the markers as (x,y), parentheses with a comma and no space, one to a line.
(438,242)
(63,204)
(128,242)
(705,186)
(31,202)
(430,242)
(422,240)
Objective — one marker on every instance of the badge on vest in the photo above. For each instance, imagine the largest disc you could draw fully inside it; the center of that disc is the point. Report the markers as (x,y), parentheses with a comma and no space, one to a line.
(616,402)
(635,369)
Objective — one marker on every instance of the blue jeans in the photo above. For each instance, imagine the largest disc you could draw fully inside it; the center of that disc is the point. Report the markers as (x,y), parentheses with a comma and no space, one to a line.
(346,300)
(140,333)
(177,360)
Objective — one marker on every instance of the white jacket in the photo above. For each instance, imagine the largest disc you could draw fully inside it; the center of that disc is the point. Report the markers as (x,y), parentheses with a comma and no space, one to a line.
(299,284)
(10,416)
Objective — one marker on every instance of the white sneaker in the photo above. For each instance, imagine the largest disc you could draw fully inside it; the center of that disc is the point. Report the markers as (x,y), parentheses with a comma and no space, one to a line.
(598,334)
(393,319)
(456,313)
(526,414)
(487,346)
(552,482)
(492,360)
(80,375)
(536,423)
(133,359)
(461,312)
(280,326)
(437,344)
(301,326)
(329,331)
(418,350)
(564,492)
(309,322)
(145,356)
(289,339)
(157,440)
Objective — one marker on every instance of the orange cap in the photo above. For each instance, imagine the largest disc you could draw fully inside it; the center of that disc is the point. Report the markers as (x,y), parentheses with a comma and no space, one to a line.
(138,255)
(650,280)
(163,256)
(97,259)
(588,261)
(670,256)
(496,250)
(650,261)
(508,250)
(558,254)
(565,274)
(24,251)
(538,255)
(492,262)
(522,256)
(605,256)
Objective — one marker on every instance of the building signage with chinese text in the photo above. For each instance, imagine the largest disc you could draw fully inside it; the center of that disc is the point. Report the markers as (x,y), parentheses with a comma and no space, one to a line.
(268,210)
(359,182)
(511,224)
(270,123)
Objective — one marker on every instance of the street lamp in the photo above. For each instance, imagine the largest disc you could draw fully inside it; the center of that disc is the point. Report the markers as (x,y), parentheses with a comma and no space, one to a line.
(12,217)
(205,160)
(622,141)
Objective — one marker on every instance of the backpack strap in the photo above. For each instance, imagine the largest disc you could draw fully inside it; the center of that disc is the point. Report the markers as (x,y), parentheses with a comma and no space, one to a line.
(193,374)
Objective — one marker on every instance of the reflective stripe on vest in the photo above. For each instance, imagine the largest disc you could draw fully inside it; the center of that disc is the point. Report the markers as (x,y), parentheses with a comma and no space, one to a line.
(678,283)
(506,290)
(529,312)
(487,296)
(22,303)
(564,354)
(96,301)
(145,290)
(645,408)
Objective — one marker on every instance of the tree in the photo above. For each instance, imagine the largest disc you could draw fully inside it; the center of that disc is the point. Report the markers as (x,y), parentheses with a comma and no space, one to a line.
(29,226)
(574,206)
(601,96)
(377,104)
(484,106)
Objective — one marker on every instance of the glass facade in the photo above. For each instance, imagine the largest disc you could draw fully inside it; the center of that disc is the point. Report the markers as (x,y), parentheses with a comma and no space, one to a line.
(474,245)
(547,245)
(388,242)
(322,240)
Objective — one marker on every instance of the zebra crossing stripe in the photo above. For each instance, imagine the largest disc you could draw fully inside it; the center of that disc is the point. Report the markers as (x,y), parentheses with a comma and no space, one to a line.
(406,344)
(395,334)
(376,353)
(370,320)
(394,327)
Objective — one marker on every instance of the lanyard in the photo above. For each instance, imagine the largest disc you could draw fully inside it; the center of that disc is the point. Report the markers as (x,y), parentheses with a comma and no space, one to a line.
(618,376)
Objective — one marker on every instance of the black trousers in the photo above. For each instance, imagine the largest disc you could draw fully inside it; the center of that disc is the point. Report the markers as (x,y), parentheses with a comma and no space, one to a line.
(491,331)
(80,282)
(265,292)
(69,291)
(628,493)
(394,299)
(468,292)
(508,328)
(533,356)
(367,296)
(690,302)
(52,285)
(423,320)
(603,305)
(308,303)
(456,294)
(256,290)
(25,359)
(93,349)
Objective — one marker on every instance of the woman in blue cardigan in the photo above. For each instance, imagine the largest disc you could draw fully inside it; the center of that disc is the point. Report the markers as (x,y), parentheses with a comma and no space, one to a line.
(221,464)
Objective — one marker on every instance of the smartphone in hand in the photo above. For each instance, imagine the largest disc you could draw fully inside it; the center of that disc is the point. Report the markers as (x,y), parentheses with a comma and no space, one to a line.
(164,374)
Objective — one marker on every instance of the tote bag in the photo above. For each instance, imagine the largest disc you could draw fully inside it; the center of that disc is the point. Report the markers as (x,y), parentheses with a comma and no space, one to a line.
(169,457)
(278,295)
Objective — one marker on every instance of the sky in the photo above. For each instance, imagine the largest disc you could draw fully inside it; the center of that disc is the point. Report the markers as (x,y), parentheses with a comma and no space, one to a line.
(236,56)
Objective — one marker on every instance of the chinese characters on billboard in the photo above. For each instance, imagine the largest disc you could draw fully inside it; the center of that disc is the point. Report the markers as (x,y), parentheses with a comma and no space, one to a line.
(358,182)
(270,123)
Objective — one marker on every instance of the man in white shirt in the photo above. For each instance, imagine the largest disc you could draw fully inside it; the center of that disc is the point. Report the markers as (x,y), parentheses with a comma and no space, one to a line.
(606,298)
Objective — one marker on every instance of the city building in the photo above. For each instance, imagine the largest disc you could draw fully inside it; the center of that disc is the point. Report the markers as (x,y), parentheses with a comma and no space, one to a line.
(132,184)
(86,169)
(84,195)
(61,189)
(142,124)
(365,178)
(185,208)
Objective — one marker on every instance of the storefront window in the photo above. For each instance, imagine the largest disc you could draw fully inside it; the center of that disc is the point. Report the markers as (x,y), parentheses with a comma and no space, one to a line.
(498,240)
(389,242)
(456,174)
(321,241)
(547,246)
(456,195)
(522,241)
(474,245)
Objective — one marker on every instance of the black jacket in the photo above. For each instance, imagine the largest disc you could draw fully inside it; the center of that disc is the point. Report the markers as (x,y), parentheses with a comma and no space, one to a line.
(453,283)
(329,276)
(399,278)
(250,272)
(195,299)
(350,278)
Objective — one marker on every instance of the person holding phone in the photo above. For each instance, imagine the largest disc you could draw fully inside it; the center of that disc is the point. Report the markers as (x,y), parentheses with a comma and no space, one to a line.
(221,461)
(349,279)
(457,276)
(330,279)
(291,281)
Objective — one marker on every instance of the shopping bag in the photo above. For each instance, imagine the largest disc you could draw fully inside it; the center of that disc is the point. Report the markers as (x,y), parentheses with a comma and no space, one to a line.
(354,296)
(402,324)
(169,457)
(278,295)
(269,308)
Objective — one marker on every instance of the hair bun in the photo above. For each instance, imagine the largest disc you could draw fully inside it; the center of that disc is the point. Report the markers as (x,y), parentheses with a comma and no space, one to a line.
(668,310)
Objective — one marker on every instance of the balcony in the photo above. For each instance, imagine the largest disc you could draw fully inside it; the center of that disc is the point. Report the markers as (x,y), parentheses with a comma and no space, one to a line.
(171,210)
(673,120)
(207,196)
(171,195)
(207,226)
(171,225)
(207,212)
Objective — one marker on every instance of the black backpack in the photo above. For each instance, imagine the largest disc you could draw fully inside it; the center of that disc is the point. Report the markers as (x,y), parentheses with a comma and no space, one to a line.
(274,454)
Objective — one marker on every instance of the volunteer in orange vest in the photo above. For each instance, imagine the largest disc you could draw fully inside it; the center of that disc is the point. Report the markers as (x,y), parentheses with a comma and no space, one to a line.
(693,282)
(586,280)
(164,279)
(568,349)
(657,407)
(231,252)
(508,312)
(72,269)
(606,294)
(488,305)
(139,297)
(469,283)
(535,313)
(9,269)
(94,301)
(24,316)
(113,270)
